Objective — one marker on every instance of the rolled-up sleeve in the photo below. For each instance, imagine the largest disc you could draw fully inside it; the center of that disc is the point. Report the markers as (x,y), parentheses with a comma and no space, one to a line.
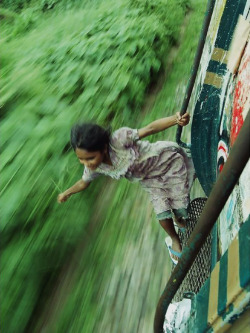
(125,137)
(88,175)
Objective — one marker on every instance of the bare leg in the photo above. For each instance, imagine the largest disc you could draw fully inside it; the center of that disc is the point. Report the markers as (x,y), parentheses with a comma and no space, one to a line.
(179,217)
(180,221)
(168,226)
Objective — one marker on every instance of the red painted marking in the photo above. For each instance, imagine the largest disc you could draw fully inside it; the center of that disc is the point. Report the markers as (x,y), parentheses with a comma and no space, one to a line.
(221,167)
(222,148)
(237,119)
(242,92)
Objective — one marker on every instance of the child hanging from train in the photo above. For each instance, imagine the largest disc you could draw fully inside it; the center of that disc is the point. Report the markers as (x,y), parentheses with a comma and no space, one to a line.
(163,168)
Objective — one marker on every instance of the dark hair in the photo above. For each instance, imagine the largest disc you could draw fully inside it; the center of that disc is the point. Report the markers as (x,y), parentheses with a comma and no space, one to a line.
(89,136)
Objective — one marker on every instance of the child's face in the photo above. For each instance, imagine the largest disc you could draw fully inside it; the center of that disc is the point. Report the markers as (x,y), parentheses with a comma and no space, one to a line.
(90,159)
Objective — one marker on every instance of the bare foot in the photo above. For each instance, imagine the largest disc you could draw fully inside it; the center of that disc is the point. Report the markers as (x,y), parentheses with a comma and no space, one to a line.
(176,246)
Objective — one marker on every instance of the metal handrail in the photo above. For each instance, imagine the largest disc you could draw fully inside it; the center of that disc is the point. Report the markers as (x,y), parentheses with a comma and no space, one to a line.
(209,12)
(223,187)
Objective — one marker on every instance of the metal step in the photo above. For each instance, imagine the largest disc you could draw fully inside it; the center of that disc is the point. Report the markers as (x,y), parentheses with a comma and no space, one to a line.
(200,269)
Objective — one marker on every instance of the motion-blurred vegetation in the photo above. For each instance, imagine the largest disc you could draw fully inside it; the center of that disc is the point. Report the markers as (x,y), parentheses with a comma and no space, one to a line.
(64,61)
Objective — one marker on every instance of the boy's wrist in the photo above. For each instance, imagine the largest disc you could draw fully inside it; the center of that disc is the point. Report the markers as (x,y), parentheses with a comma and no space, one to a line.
(67,192)
(175,118)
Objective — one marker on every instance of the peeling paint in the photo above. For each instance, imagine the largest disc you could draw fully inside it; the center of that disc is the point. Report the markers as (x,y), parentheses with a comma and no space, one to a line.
(244,185)
(176,319)
(229,222)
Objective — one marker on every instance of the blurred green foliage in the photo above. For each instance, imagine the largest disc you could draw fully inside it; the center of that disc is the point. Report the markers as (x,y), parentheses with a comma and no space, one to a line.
(58,68)
(117,287)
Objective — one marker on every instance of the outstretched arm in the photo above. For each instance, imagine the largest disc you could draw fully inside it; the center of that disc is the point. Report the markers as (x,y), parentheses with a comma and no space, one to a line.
(164,123)
(77,187)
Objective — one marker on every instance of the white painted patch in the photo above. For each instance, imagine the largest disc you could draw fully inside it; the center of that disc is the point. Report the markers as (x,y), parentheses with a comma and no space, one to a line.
(224,94)
(244,185)
(177,317)
(229,224)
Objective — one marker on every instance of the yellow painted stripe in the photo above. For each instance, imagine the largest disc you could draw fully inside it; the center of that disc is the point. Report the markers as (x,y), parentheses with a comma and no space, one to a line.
(213,295)
(224,327)
(216,18)
(213,79)
(233,272)
(214,319)
(219,325)
(220,55)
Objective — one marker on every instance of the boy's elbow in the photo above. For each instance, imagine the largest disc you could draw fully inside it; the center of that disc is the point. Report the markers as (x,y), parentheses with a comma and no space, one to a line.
(146,131)
(151,129)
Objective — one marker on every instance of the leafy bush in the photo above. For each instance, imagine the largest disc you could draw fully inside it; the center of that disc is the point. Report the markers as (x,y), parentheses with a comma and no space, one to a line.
(16,5)
(47,5)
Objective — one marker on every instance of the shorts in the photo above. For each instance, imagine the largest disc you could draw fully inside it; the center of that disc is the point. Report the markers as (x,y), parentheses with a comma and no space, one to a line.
(181,212)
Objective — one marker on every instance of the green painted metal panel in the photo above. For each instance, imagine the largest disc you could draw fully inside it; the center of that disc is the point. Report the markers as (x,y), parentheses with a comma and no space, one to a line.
(201,305)
(244,243)
(205,135)
(228,22)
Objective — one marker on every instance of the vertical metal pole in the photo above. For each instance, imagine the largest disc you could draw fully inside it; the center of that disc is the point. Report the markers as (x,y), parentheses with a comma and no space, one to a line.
(209,12)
